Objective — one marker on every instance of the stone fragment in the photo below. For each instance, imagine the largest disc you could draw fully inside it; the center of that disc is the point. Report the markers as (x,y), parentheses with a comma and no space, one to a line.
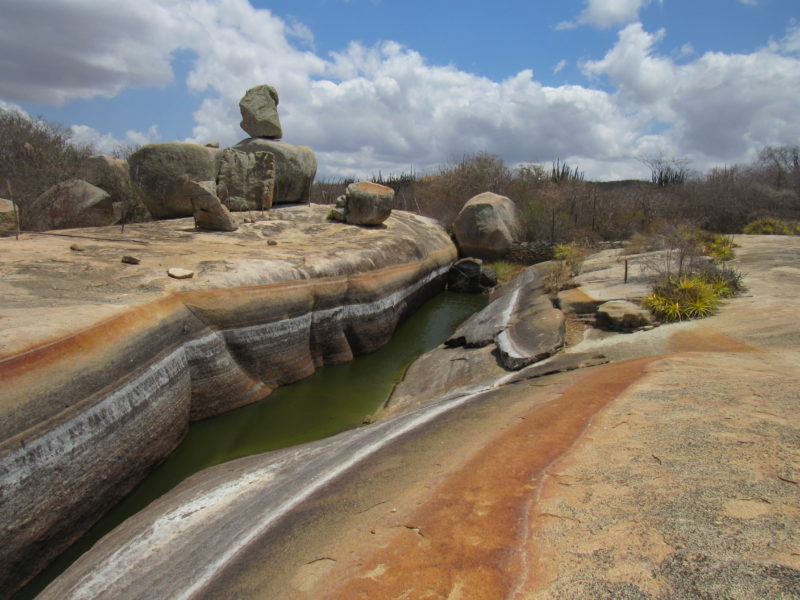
(178,273)
(73,203)
(214,144)
(368,203)
(160,171)
(622,315)
(209,212)
(8,217)
(76,248)
(130,260)
(295,168)
(246,180)
(259,108)
(486,226)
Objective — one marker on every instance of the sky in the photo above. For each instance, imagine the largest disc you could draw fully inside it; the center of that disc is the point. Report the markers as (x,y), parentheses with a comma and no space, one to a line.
(390,86)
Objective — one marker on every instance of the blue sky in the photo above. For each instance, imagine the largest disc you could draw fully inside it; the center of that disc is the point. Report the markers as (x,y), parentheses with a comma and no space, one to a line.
(384,85)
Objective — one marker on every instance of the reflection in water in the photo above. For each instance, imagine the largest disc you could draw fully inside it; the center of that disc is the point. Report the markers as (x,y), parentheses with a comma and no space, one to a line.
(332,400)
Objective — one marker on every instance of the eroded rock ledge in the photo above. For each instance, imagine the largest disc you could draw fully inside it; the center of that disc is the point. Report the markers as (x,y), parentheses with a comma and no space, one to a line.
(104,364)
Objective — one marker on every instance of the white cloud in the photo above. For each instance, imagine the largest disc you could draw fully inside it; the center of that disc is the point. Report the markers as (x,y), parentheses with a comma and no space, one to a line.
(105,143)
(606,13)
(717,107)
(560,66)
(10,106)
(366,109)
(749,2)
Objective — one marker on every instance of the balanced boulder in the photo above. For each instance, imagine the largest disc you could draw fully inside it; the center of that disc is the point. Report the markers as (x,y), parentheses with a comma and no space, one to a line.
(73,203)
(486,226)
(295,168)
(209,212)
(160,171)
(259,108)
(246,180)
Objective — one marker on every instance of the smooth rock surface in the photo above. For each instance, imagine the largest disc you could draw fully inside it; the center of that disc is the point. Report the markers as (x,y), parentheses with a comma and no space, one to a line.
(486,226)
(618,481)
(73,203)
(103,364)
(160,170)
(259,108)
(295,168)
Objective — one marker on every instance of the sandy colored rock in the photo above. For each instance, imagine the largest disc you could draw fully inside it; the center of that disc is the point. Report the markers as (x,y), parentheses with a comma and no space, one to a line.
(622,315)
(367,203)
(209,212)
(246,181)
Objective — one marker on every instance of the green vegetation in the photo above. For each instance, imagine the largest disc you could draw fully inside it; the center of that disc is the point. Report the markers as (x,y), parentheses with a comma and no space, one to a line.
(770,226)
(687,285)
(505,270)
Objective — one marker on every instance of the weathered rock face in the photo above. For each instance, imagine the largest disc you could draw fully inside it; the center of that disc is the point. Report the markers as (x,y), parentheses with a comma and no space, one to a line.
(367,203)
(8,217)
(209,212)
(160,170)
(85,414)
(295,168)
(259,108)
(246,180)
(73,203)
(486,226)
(622,315)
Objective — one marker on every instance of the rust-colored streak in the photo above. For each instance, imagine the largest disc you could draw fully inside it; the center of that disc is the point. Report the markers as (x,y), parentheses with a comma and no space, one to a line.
(467,538)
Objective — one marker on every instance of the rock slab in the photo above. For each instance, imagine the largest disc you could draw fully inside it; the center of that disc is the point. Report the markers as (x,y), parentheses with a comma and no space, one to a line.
(73,203)
(295,168)
(622,315)
(209,212)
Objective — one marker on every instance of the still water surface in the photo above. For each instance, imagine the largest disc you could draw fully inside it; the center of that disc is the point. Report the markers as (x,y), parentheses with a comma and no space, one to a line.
(332,400)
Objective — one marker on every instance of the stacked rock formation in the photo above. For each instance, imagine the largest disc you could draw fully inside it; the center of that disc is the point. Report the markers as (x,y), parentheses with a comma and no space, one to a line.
(251,175)
(364,203)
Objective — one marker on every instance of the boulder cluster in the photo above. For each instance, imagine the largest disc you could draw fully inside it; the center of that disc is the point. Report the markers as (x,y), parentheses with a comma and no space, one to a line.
(179,179)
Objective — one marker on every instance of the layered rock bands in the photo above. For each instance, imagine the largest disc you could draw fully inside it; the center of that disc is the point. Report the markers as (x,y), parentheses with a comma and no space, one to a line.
(95,411)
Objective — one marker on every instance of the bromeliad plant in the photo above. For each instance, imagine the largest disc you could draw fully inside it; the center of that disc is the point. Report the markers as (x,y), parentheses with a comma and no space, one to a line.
(693,296)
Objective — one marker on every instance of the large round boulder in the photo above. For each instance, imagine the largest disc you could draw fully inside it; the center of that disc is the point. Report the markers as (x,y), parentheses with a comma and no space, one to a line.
(368,203)
(112,175)
(486,226)
(295,168)
(259,108)
(160,171)
(73,203)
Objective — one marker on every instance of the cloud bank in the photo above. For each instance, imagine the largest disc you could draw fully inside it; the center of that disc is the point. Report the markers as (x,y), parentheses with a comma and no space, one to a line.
(365,109)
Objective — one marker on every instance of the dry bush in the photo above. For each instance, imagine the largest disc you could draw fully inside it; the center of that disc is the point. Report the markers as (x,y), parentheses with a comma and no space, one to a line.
(34,156)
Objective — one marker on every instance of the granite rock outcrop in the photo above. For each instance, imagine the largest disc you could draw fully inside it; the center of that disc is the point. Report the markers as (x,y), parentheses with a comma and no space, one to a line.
(72,203)
(94,397)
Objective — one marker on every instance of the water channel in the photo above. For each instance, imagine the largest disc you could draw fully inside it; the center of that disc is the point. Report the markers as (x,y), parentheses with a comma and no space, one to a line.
(332,400)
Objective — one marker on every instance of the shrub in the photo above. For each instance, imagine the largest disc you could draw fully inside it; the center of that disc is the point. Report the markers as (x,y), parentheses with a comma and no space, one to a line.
(720,248)
(684,298)
(771,227)
(506,270)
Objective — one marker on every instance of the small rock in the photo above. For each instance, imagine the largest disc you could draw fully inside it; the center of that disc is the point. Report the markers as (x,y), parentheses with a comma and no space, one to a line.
(130,260)
(272,243)
(214,144)
(178,273)
(76,248)
(368,203)
(621,315)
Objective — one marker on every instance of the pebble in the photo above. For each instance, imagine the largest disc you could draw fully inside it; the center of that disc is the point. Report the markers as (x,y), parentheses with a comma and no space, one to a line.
(178,273)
